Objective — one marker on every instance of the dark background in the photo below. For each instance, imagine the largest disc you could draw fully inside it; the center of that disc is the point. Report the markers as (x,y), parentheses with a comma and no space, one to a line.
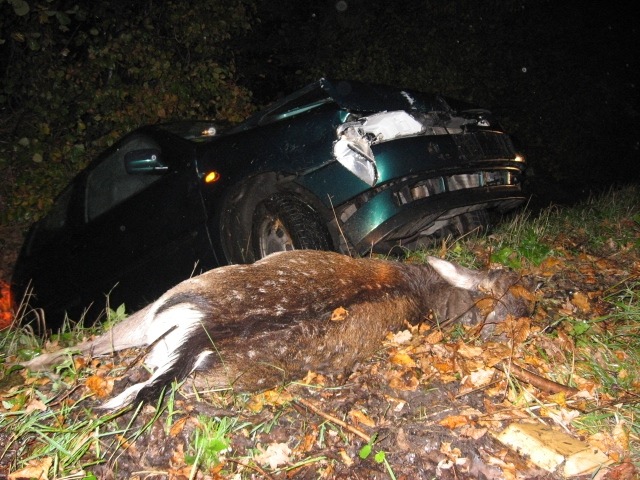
(562,76)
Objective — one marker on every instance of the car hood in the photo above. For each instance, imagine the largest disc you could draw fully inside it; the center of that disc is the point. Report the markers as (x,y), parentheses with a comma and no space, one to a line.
(353,96)
(363,97)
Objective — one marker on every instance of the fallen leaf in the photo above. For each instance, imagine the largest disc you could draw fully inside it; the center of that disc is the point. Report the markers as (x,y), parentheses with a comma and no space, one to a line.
(308,442)
(434,337)
(177,457)
(486,305)
(561,416)
(360,418)
(559,399)
(621,436)
(125,443)
(277,397)
(38,468)
(339,314)
(404,381)
(521,291)
(581,301)
(564,341)
(100,386)
(402,359)
(475,433)
(401,337)
(453,453)
(517,329)
(37,381)
(256,403)
(444,367)
(35,404)
(468,351)
(454,421)
(401,441)
(550,266)
(478,378)
(314,378)
(624,471)
(79,363)
(178,426)
(494,353)
(275,455)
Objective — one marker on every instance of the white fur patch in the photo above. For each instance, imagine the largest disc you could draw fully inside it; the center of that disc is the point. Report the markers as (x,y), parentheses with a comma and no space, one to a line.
(454,275)
(171,329)
(124,399)
(201,358)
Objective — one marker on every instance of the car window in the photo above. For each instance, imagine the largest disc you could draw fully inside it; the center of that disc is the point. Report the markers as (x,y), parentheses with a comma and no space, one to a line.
(109,183)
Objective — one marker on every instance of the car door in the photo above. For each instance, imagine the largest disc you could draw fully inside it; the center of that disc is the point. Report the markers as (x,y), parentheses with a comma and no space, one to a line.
(144,231)
(44,276)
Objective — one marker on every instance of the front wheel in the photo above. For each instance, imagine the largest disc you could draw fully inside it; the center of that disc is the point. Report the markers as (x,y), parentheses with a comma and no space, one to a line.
(282,222)
(476,221)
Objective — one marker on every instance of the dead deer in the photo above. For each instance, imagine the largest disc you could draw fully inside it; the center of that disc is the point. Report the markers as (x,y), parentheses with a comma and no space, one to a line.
(254,327)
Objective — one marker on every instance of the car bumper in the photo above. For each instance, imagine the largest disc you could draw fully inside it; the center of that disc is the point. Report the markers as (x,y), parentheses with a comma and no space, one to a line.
(401,212)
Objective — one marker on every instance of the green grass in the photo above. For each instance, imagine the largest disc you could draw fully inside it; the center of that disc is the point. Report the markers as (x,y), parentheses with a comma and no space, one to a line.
(210,441)
(38,423)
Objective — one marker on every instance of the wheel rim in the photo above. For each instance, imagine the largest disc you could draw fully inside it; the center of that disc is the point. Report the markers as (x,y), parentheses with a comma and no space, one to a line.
(273,237)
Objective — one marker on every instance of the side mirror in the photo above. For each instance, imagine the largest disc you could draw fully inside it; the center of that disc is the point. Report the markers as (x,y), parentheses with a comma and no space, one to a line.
(147,160)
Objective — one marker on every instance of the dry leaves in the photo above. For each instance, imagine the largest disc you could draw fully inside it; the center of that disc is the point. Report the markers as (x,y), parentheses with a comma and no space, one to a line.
(275,455)
(360,418)
(100,386)
(38,468)
(339,314)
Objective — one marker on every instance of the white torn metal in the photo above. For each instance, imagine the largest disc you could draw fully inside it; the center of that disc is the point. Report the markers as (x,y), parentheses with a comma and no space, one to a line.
(354,153)
(385,126)
(353,148)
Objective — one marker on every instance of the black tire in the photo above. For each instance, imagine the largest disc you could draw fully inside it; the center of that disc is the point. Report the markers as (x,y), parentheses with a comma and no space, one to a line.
(476,222)
(282,222)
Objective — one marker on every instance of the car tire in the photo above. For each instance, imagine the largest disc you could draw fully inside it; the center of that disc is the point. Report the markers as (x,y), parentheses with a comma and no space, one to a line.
(283,222)
(476,222)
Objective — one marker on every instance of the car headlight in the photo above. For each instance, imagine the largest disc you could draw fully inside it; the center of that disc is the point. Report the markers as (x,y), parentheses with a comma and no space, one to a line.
(353,148)
(354,153)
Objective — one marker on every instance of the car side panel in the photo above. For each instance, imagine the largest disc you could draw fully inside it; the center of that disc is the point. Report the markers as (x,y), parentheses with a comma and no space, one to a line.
(153,240)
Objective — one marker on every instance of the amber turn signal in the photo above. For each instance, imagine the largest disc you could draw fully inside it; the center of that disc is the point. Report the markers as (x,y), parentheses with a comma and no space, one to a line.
(211,177)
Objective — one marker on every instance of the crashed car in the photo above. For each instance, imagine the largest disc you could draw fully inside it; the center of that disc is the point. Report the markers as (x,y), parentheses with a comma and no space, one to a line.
(337,165)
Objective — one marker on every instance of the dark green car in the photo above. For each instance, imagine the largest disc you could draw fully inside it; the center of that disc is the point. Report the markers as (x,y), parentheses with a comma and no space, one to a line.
(338,165)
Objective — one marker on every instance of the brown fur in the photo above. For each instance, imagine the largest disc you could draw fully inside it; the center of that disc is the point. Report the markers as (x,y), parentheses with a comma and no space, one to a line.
(253,327)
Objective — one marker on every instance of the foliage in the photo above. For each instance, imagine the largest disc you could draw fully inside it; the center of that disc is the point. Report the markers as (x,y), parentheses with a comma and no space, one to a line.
(379,457)
(95,71)
(529,248)
(210,441)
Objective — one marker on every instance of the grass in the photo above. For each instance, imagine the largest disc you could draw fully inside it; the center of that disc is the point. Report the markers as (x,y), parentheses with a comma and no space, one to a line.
(588,338)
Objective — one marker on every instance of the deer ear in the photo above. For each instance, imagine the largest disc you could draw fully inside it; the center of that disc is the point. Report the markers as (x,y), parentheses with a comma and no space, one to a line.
(456,275)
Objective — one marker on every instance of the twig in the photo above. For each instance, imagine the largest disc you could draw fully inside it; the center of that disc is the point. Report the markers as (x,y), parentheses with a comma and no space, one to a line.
(544,384)
(333,419)
(253,467)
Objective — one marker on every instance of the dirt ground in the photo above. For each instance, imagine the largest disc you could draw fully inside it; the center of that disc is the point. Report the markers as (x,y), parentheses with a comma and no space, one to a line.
(412,398)
(414,402)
